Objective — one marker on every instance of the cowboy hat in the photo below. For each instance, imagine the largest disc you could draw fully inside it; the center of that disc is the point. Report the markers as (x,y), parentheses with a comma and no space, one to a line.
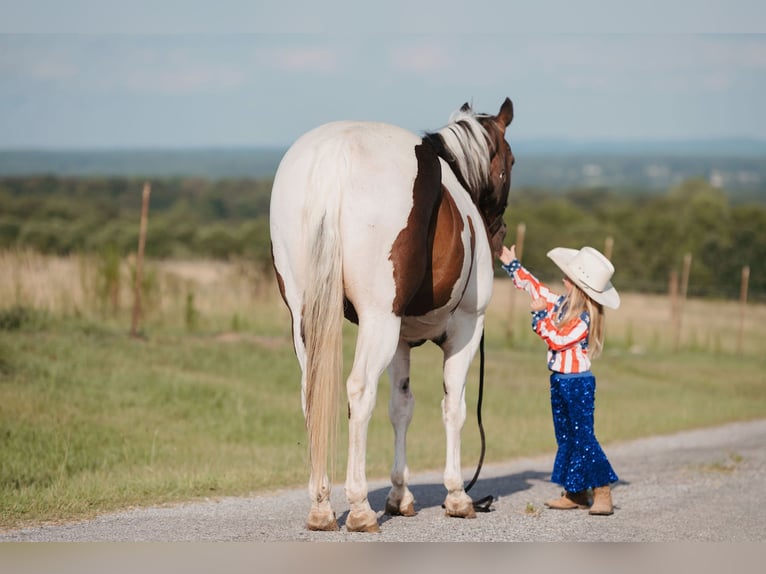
(590,270)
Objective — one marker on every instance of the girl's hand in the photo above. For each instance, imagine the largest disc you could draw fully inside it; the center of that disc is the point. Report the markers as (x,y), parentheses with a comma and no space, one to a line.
(538,304)
(507,255)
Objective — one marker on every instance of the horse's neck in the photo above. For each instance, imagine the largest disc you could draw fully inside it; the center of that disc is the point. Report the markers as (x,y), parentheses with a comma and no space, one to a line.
(436,141)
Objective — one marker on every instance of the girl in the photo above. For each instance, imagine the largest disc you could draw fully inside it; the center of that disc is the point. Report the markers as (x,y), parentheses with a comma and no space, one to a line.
(573,327)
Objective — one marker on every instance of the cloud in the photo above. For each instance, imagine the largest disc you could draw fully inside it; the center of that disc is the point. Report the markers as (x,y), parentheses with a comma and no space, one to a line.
(421,58)
(52,70)
(746,52)
(650,64)
(298,59)
(101,64)
(165,69)
(183,79)
(26,59)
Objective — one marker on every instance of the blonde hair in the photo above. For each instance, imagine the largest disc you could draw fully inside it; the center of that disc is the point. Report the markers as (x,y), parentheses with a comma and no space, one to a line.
(575,303)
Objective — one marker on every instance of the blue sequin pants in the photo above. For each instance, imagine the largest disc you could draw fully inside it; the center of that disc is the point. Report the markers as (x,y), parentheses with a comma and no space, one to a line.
(580,461)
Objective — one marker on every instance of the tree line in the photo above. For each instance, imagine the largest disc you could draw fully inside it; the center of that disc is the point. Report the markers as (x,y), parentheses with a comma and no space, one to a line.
(225,218)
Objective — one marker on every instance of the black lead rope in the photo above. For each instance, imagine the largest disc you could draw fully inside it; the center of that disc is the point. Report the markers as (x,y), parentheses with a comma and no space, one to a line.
(483,504)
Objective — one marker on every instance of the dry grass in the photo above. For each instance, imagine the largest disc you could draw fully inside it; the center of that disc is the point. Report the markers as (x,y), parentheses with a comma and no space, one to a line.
(233,296)
(225,296)
(54,284)
(643,323)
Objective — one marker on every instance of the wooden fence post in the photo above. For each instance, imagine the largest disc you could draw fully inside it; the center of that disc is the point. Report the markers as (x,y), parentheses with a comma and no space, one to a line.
(608,246)
(675,321)
(685,276)
(521,231)
(140,260)
(742,306)
(678,298)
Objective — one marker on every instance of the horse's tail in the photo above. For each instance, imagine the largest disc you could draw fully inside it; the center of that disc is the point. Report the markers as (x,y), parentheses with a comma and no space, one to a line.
(322,324)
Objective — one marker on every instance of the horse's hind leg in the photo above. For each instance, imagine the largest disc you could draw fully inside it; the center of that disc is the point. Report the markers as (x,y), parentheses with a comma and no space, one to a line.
(400,500)
(375,346)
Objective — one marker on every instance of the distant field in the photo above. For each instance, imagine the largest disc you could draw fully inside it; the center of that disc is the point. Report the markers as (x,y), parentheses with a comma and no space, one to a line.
(207,404)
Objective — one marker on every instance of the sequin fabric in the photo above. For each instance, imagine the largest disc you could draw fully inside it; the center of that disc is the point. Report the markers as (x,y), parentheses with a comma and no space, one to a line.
(580,461)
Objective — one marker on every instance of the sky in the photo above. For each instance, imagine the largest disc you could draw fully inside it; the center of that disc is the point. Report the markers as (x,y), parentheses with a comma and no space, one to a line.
(143,77)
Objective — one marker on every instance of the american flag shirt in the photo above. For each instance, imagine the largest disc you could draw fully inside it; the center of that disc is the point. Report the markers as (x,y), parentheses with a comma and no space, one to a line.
(567,344)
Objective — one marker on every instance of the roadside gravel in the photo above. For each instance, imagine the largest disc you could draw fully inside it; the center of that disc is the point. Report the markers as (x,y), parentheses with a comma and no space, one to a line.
(697,486)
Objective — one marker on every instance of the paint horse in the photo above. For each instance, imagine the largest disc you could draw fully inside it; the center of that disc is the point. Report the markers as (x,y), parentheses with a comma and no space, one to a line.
(397,233)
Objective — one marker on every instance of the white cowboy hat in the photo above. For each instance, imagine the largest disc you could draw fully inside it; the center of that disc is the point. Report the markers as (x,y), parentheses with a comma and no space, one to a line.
(590,270)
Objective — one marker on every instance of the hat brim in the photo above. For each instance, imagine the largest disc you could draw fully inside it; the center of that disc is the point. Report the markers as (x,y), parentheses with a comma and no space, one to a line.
(609,297)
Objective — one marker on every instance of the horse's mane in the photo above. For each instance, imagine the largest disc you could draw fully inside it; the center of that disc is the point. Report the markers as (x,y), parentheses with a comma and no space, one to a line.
(465,145)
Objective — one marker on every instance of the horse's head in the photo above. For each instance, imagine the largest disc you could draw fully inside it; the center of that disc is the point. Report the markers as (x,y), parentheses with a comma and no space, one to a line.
(474,146)
(493,197)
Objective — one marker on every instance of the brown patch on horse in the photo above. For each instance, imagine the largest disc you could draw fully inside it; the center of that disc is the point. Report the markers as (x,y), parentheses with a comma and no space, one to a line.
(428,253)
(411,250)
(281,284)
(445,260)
(280,281)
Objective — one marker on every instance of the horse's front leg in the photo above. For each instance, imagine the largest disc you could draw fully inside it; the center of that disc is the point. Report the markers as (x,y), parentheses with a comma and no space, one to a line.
(400,500)
(375,346)
(459,350)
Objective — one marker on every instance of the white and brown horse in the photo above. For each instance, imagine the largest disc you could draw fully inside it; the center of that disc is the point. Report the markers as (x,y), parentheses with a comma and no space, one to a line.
(398,233)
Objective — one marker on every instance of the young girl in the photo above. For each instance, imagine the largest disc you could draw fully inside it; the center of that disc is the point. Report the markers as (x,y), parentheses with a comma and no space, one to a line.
(573,327)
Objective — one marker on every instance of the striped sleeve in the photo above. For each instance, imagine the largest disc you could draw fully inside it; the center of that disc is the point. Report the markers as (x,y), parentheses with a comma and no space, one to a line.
(523,279)
(563,337)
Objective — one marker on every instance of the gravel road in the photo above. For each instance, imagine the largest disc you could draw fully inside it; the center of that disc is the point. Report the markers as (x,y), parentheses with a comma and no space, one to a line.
(696,486)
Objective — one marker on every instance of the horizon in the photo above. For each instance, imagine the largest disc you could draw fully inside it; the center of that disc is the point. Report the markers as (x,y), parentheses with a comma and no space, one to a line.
(571,145)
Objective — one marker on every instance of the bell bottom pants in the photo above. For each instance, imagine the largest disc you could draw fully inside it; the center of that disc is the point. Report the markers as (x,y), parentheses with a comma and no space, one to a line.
(580,461)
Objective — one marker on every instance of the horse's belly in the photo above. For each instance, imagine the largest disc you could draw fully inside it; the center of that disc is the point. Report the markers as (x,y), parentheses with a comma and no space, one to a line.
(471,299)
(424,328)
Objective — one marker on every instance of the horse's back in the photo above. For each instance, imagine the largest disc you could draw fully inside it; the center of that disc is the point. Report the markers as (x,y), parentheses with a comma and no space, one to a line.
(368,156)
(365,171)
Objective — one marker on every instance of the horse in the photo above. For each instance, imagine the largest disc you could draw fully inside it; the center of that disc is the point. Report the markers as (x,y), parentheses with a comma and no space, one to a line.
(397,233)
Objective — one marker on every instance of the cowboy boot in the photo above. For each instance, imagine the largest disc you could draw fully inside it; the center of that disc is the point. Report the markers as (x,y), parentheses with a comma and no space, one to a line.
(602,501)
(570,500)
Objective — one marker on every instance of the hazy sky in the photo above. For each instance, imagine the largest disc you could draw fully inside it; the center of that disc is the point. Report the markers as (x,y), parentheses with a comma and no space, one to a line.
(106,82)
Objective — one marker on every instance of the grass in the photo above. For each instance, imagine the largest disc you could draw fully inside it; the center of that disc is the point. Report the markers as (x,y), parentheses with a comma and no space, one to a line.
(726,466)
(92,420)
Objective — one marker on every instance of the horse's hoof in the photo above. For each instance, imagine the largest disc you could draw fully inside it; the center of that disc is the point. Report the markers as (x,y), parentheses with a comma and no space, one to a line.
(460,513)
(459,507)
(400,503)
(362,522)
(394,509)
(408,510)
(321,521)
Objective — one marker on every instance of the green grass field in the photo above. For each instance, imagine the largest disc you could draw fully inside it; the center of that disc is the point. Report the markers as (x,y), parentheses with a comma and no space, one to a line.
(207,404)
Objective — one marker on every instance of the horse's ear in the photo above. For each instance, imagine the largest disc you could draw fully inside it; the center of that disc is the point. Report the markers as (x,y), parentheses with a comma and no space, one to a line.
(465,107)
(505,115)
